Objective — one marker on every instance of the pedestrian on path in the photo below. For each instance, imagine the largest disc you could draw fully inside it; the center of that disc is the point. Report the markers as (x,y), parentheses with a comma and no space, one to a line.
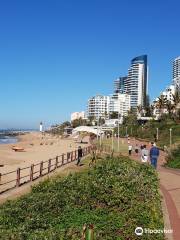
(136,149)
(144,154)
(154,154)
(80,153)
(130,149)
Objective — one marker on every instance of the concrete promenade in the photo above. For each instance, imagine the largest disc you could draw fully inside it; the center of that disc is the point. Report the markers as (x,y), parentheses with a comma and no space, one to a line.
(170,189)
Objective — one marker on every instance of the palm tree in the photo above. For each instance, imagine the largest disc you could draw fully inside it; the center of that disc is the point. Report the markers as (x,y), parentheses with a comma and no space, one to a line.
(139,110)
(169,107)
(161,103)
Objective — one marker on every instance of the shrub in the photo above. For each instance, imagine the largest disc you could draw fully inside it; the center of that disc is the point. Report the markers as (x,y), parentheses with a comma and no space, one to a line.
(116,196)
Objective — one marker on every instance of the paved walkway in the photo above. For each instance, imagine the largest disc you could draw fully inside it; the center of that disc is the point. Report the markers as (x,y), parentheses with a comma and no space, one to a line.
(170,188)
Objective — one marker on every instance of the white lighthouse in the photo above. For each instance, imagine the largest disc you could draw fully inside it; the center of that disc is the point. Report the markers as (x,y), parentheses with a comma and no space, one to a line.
(41,127)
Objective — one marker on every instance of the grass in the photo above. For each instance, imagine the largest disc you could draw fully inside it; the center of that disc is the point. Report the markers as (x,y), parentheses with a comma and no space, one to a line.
(123,146)
(116,196)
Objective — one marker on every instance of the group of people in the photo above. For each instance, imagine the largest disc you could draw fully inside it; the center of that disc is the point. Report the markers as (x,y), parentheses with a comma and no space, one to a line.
(145,154)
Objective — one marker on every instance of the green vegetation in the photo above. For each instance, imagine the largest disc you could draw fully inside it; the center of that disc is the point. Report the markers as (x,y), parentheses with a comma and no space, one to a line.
(123,146)
(58,129)
(173,159)
(116,196)
(149,130)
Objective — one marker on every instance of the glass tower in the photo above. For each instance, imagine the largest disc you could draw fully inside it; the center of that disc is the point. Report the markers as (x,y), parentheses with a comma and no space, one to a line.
(136,83)
(176,72)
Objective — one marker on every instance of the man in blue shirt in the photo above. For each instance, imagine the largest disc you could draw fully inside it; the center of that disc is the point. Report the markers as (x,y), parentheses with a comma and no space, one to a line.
(154,154)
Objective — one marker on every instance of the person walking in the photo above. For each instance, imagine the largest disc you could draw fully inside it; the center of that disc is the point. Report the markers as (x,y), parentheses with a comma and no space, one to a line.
(154,154)
(80,154)
(144,154)
(130,149)
(136,149)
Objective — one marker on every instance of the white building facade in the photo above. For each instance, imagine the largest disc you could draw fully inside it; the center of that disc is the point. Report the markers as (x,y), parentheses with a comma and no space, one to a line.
(77,115)
(176,72)
(167,95)
(120,103)
(98,106)
(137,81)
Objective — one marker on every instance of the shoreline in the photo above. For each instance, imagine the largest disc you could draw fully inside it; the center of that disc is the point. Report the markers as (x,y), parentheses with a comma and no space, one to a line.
(37,148)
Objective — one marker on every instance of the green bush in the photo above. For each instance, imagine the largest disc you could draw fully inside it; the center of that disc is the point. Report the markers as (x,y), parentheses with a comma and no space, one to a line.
(173,159)
(116,196)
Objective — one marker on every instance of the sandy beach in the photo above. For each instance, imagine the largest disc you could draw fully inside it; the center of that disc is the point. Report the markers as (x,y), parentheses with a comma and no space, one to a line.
(37,148)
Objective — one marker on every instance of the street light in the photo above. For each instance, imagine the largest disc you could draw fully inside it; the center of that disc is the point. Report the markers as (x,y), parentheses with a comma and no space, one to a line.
(170,136)
(112,140)
(157,133)
(100,136)
(118,132)
(126,131)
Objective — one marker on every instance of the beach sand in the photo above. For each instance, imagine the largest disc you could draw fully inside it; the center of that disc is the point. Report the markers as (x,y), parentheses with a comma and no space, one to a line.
(37,148)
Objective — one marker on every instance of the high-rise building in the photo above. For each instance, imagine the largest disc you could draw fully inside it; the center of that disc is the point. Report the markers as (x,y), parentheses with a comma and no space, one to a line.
(136,83)
(119,85)
(176,72)
(98,106)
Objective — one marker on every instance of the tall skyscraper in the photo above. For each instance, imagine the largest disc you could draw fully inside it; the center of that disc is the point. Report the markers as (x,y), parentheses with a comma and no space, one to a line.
(136,83)
(119,85)
(176,72)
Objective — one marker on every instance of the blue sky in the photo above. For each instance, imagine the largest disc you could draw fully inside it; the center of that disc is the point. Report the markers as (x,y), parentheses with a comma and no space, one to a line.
(55,54)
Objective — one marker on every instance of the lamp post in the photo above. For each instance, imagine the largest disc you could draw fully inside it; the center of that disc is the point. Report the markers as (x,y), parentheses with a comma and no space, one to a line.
(100,136)
(112,140)
(118,132)
(170,136)
(97,128)
(157,133)
(126,131)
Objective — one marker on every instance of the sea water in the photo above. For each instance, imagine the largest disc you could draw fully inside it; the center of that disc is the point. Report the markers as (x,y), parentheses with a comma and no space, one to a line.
(7,140)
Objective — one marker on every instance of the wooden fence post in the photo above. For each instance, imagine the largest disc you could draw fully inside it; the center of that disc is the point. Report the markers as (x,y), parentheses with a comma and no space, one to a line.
(41,168)
(63,159)
(67,157)
(75,155)
(0,176)
(56,166)
(31,172)
(72,156)
(18,177)
(49,165)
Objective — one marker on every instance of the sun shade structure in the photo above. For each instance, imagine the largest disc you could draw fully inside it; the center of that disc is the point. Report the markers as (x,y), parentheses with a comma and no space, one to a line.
(87,129)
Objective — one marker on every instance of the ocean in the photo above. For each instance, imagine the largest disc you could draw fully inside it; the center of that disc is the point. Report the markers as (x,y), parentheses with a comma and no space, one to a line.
(7,140)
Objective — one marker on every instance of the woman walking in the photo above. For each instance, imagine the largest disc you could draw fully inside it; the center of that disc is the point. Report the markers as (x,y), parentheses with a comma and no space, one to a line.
(144,154)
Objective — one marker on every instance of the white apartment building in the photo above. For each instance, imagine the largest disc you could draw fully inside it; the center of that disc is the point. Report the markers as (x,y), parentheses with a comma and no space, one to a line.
(168,95)
(120,103)
(77,115)
(176,72)
(136,84)
(98,106)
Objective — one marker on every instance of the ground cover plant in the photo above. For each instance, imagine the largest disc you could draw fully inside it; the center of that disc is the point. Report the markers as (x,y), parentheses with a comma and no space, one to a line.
(173,158)
(117,195)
